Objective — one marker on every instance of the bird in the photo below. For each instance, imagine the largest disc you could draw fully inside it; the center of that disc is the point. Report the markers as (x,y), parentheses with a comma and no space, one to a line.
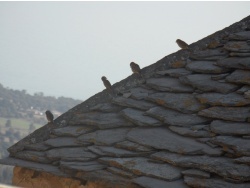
(182,44)
(49,116)
(107,84)
(135,68)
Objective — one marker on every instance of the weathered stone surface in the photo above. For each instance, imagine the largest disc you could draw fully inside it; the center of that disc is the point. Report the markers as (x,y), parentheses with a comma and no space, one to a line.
(239,54)
(172,117)
(204,82)
(106,107)
(63,142)
(73,130)
(205,67)
(237,46)
(70,154)
(186,131)
(139,104)
(168,84)
(230,128)
(105,137)
(139,93)
(149,182)
(243,89)
(235,62)
(163,138)
(247,95)
(82,166)
(243,35)
(196,173)
(219,76)
(138,118)
(218,99)
(239,77)
(210,54)
(114,152)
(219,165)
(133,146)
(141,166)
(212,183)
(227,113)
(177,64)
(243,160)
(35,156)
(182,102)
(120,172)
(238,145)
(37,147)
(101,120)
(175,72)
(214,44)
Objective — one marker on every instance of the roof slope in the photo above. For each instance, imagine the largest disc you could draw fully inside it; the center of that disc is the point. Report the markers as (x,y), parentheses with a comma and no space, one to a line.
(184,124)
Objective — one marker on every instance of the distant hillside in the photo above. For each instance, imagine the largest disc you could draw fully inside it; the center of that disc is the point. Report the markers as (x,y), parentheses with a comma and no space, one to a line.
(19,104)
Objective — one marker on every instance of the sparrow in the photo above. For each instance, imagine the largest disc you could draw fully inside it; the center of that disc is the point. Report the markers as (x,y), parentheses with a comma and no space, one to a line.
(182,44)
(106,84)
(49,116)
(135,68)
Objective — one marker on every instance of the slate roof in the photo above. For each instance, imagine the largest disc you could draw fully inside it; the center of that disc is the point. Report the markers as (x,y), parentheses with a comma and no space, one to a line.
(184,124)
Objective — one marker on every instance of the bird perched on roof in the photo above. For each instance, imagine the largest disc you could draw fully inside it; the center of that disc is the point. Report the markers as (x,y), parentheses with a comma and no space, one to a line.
(135,68)
(107,84)
(49,116)
(182,44)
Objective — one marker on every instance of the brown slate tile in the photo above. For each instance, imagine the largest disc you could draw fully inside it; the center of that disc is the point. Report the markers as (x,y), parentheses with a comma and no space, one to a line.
(226,113)
(221,166)
(139,118)
(182,102)
(172,117)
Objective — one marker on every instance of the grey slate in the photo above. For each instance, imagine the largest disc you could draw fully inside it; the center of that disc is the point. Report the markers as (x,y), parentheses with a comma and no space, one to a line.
(175,72)
(63,142)
(172,117)
(239,54)
(133,146)
(219,165)
(41,146)
(230,128)
(106,107)
(141,166)
(218,99)
(139,118)
(205,67)
(212,183)
(114,152)
(105,137)
(82,166)
(101,120)
(219,76)
(35,156)
(168,84)
(226,113)
(237,46)
(204,83)
(243,89)
(73,130)
(120,172)
(186,131)
(149,182)
(182,102)
(209,54)
(196,173)
(167,140)
(243,160)
(243,35)
(235,62)
(70,154)
(239,77)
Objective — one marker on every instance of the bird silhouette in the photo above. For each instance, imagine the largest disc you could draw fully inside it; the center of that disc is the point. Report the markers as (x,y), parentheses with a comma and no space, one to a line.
(182,44)
(107,84)
(49,116)
(135,68)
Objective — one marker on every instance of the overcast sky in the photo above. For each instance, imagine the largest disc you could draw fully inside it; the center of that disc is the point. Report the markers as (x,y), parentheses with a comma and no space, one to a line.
(63,48)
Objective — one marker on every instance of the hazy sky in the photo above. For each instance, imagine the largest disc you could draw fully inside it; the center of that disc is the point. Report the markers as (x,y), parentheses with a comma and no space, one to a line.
(63,48)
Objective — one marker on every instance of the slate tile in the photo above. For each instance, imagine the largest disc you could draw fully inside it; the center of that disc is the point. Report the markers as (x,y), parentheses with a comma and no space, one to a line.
(212,183)
(172,117)
(73,130)
(230,128)
(106,107)
(209,54)
(133,146)
(242,160)
(105,137)
(226,113)
(64,142)
(243,35)
(149,182)
(70,154)
(141,166)
(235,62)
(139,118)
(243,89)
(219,76)
(237,46)
(176,73)
(168,84)
(196,173)
(239,77)
(35,156)
(101,120)
(239,54)
(208,67)
(183,102)
(204,83)
(82,166)
(163,138)
(41,146)
(186,131)
(221,166)
(120,172)
(218,99)
(139,104)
